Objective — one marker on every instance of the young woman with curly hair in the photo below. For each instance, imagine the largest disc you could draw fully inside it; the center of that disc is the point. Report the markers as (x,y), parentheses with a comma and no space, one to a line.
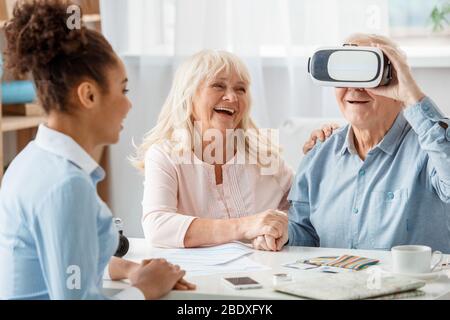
(53,225)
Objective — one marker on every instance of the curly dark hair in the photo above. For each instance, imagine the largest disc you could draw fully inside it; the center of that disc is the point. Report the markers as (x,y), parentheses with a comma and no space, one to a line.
(39,41)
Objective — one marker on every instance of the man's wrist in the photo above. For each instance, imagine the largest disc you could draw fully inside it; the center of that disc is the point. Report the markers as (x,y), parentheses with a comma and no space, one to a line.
(414,98)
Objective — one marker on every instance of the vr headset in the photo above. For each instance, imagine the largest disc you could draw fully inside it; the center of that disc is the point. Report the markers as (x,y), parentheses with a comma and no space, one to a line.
(350,67)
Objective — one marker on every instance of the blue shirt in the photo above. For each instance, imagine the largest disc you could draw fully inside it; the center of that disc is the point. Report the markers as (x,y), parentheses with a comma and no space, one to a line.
(56,235)
(400,194)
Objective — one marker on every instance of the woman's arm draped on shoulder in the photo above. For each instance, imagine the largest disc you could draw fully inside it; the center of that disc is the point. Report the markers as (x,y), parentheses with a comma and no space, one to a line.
(321,134)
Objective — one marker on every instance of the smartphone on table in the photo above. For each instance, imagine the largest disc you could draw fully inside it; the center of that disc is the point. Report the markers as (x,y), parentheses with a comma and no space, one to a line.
(242,283)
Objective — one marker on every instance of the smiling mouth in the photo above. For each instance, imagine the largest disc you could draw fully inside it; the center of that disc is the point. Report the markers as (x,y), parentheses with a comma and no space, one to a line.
(225,110)
(357,101)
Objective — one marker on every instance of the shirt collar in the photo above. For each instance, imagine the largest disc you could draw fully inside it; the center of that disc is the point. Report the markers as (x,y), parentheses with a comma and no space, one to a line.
(389,143)
(65,147)
(393,138)
(349,143)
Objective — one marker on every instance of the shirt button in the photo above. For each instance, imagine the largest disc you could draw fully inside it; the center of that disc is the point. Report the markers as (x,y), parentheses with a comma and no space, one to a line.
(425,107)
(362,173)
(430,115)
(390,195)
(355,211)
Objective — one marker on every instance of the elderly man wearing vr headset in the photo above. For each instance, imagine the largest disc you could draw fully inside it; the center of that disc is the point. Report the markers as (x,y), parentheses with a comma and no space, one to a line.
(383,180)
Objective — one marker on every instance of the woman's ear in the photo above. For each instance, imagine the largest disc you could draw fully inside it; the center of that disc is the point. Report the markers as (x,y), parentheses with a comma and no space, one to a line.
(88,94)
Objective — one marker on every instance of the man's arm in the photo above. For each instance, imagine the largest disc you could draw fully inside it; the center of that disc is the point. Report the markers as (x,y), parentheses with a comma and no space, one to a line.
(433,131)
(300,230)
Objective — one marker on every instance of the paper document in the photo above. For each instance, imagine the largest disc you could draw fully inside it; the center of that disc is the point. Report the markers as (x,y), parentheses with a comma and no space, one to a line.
(225,258)
(243,264)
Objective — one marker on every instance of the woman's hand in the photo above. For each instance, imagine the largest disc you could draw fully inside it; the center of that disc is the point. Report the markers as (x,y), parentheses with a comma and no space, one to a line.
(157,277)
(403,87)
(120,269)
(321,134)
(270,223)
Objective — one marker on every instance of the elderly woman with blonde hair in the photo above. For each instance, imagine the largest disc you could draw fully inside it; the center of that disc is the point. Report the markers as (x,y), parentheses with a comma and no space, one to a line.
(211,176)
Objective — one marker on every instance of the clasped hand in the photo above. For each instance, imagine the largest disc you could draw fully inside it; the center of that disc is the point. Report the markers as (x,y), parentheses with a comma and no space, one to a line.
(267,230)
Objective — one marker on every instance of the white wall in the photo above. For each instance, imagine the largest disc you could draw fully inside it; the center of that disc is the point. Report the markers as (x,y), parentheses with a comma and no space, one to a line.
(435,83)
(151,87)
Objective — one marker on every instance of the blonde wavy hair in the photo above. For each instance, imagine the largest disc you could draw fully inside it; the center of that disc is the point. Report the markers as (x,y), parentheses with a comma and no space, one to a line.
(177,111)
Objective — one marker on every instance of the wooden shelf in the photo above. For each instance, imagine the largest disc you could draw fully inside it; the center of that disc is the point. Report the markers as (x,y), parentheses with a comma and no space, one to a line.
(12,123)
(87,18)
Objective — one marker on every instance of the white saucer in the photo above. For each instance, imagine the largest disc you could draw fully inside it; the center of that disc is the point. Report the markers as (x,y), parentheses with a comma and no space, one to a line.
(421,276)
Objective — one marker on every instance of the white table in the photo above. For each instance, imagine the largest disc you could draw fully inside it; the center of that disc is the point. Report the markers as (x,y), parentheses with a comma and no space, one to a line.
(211,287)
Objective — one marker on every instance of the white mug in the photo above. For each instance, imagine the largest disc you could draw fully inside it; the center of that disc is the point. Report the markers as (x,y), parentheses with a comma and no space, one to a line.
(414,259)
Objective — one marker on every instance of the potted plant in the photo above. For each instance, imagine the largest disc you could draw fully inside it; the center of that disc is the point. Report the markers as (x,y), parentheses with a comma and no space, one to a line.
(440,16)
